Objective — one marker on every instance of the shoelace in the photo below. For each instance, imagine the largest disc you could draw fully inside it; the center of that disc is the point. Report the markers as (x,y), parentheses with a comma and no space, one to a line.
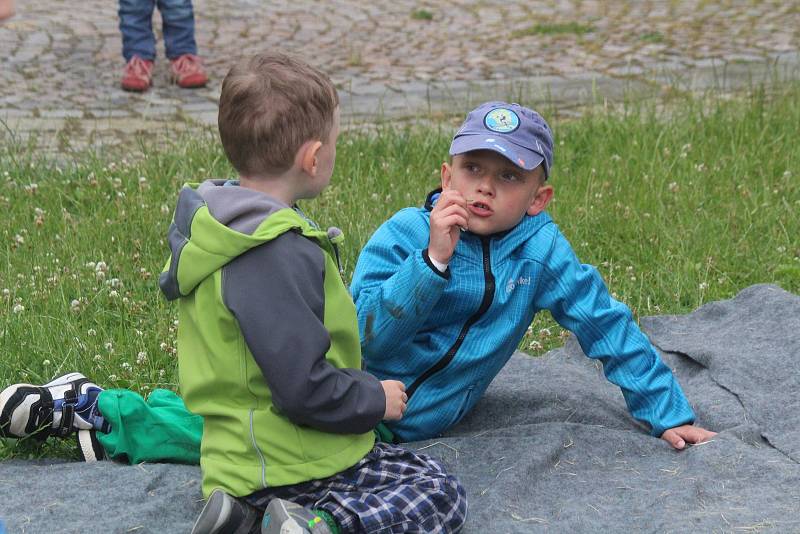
(186,64)
(137,67)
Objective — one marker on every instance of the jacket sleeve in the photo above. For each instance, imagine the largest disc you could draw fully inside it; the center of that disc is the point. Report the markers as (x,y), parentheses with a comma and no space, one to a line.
(579,301)
(276,293)
(395,286)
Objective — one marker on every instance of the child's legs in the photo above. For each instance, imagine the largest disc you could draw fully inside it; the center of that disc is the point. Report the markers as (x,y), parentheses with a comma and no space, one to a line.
(160,429)
(178,17)
(136,26)
(391,490)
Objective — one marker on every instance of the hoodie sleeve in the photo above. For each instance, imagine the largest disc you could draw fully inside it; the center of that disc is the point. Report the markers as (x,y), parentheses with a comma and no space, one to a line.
(579,301)
(395,286)
(276,293)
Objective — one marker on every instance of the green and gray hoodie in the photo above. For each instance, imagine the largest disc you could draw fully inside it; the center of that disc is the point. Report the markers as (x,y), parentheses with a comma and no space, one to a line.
(268,346)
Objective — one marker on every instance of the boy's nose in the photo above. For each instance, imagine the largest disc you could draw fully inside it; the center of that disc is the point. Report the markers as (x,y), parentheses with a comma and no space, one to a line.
(486,185)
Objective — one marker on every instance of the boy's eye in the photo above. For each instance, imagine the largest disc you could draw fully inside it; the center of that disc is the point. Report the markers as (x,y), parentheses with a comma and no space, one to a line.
(471,167)
(510,177)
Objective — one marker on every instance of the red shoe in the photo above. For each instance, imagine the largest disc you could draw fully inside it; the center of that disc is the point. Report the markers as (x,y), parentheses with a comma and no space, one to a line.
(137,75)
(188,71)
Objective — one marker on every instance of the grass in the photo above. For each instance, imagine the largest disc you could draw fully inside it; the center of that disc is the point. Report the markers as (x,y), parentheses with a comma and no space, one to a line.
(571,28)
(421,14)
(675,205)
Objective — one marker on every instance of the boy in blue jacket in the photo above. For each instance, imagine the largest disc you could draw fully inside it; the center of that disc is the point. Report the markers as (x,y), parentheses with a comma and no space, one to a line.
(445,293)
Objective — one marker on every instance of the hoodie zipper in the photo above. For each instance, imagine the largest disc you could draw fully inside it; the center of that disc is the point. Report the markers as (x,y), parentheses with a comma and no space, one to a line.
(488,296)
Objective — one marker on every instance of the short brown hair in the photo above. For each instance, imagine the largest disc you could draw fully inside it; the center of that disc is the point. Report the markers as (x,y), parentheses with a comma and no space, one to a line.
(270,105)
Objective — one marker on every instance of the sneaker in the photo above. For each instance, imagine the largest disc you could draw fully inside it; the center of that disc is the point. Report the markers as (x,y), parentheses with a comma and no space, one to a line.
(286,517)
(58,408)
(138,75)
(188,71)
(224,514)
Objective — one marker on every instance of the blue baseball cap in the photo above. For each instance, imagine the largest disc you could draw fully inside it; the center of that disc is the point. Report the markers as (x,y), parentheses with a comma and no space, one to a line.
(518,133)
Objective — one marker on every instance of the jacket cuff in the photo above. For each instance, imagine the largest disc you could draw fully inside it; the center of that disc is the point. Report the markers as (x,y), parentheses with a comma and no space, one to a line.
(444,274)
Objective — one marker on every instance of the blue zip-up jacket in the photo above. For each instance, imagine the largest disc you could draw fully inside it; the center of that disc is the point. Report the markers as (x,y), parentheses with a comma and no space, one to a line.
(447,335)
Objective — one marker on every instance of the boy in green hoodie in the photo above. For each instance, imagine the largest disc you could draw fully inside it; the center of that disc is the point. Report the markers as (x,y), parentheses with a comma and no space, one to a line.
(268,344)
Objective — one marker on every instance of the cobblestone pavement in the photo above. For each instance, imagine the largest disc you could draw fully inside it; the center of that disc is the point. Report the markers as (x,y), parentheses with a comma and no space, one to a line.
(60,60)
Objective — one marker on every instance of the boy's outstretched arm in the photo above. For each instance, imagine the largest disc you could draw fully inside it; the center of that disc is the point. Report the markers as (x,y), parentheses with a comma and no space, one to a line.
(395,286)
(276,293)
(579,301)
(679,436)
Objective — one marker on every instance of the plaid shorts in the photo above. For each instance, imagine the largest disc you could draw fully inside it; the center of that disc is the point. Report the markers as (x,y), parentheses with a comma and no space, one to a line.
(391,490)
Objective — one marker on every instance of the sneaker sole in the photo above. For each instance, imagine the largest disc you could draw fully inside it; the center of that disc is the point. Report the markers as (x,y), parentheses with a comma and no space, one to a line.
(17,401)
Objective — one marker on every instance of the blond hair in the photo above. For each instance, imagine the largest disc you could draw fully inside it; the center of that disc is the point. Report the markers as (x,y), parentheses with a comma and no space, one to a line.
(270,105)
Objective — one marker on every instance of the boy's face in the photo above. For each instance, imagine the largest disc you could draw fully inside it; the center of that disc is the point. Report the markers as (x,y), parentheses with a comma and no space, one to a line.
(498,193)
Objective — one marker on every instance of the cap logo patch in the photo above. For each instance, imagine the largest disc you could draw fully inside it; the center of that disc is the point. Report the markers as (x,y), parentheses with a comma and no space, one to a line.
(501,120)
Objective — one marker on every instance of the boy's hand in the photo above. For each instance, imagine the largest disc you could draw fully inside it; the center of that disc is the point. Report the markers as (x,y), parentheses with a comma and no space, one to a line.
(680,435)
(448,217)
(396,399)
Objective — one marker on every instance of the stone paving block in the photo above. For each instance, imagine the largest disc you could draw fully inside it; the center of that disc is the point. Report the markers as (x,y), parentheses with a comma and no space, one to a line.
(66,58)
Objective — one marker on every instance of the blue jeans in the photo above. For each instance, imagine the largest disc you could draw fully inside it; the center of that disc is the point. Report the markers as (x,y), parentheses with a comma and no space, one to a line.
(136,25)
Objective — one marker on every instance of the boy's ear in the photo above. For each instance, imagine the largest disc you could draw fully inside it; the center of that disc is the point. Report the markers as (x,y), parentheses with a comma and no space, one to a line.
(541,199)
(308,157)
(447,174)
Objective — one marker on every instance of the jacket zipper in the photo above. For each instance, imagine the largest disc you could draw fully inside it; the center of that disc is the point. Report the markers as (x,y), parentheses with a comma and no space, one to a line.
(488,296)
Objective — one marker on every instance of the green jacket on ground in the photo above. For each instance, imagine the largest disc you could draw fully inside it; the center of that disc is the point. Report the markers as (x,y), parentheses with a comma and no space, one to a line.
(268,345)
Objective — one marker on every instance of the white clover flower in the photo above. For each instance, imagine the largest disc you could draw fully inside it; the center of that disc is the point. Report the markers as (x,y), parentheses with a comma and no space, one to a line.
(141,358)
(97,357)
(161,373)
(163,346)
(114,282)
(92,332)
(112,378)
(46,362)
(673,187)
(18,308)
(545,332)
(113,294)
(703,286)
(126,366)
(100,275)
(109,347)
(19,239)
(535,345)
(6,292)
(75,305)
(100,266)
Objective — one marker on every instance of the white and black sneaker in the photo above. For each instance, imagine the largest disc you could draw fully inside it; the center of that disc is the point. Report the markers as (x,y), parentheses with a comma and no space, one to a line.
(224,514)
(286,517)
(65,405)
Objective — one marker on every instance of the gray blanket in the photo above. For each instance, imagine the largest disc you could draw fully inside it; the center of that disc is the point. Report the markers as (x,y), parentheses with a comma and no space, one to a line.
(550,447)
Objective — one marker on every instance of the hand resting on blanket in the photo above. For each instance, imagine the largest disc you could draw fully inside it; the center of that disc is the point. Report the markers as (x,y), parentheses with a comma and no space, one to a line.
(679,435)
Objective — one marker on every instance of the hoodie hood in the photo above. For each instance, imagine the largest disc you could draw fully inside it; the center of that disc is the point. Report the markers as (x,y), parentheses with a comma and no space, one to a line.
(217,221)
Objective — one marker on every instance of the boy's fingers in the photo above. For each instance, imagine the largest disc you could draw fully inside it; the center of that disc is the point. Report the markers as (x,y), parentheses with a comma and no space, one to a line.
(453,220)
(449,198)
(673,438)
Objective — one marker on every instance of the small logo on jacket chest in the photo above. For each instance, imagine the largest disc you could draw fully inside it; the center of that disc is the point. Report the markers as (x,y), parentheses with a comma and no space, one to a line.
(521,281)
